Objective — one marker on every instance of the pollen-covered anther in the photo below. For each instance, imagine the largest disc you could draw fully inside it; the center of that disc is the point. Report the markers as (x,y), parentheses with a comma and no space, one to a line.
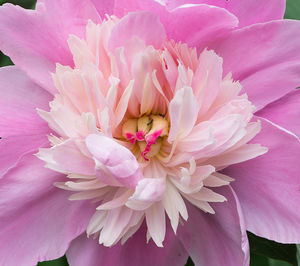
(129,130)
(147,131)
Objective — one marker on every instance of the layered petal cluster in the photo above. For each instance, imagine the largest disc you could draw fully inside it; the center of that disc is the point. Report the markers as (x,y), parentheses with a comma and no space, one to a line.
(138,128)
(144,127)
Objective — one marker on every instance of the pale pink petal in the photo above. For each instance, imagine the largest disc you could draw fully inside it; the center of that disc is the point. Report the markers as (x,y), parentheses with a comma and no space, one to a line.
(183,111)
(261,51)
(76,162)
(117,159)
(207,79)
(21,129)
(49,26)
(135,251)
(156,223)
(264,10)
(42,222)
(147,191)
(268,186)
(215,239)
(143,25)
(285,112)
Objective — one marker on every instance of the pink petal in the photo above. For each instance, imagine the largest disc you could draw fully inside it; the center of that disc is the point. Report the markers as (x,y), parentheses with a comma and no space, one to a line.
(117,160)
(190,24)
(49,26)
(37,220)
(104,7)
(264,10)
(261,51)
(122,7)
(284,112)
(143,25)
(199,24)
(268,186)
(212,239)
(21,129)
(135,251)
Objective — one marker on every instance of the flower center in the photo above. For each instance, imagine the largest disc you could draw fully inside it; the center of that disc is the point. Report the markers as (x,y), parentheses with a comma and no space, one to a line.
(147,132)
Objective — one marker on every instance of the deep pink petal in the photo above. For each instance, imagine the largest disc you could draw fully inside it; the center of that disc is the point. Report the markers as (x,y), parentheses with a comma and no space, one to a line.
(248,12)
(37,221)
(37,39)
(212,239)
(21,128)
(143,25)
(268,186)
(285,112)
(134,252)
(261,51)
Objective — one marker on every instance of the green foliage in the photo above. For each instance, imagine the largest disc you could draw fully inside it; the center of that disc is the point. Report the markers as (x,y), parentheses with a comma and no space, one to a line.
(59,262)
(292,9)
(263,247)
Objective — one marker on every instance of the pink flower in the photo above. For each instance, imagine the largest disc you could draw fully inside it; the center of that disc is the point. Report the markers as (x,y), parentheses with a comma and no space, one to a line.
(144,132)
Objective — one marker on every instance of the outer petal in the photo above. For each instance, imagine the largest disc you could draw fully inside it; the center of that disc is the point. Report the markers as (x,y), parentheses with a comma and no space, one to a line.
(268,186)
(197,25)
(134,252)
(212,239)
(190,24)
(248,12)
(284,112)
(21,129)
(37,221)
(261,51)
(37,39)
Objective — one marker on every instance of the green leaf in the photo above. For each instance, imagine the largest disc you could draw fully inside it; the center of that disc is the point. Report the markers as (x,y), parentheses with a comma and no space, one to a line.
(292,9)
(189,262)
(5,60)
(59,262)
(273,250)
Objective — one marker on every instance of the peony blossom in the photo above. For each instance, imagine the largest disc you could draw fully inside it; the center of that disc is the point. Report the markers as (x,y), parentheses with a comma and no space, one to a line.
(144,132)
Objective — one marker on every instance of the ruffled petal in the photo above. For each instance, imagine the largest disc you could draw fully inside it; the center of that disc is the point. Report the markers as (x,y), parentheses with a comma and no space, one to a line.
(49,26)
(37,221)
(261,51)
(212,239)
(268,186)
(192,24)
(134,252)
(284,112)
(21,129)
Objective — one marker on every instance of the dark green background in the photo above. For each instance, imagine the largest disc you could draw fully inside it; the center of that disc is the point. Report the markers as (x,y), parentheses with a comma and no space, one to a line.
(263,252)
